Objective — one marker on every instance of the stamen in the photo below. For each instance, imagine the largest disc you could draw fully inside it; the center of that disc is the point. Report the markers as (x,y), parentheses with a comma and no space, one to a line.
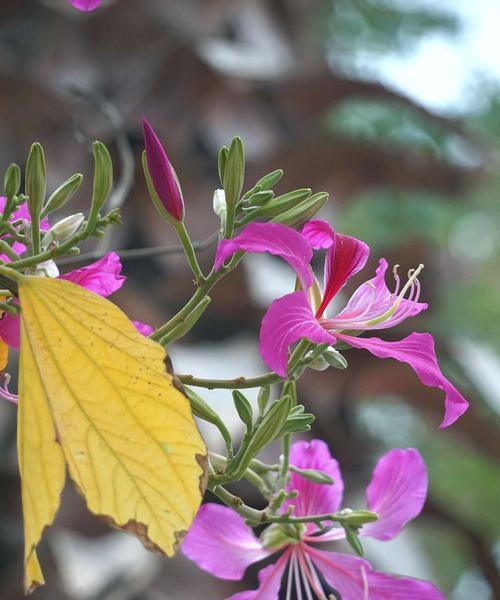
(313,571)
(309,580)
(412,276)
(4,390)
(296,576)
(396,279)
(289,579)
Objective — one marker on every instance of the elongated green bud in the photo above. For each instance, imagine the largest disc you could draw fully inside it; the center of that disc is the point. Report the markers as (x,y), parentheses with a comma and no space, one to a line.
(103,176)
(298,423)
(221,162)
(188,323)
(270,427)
(234,172)
(353,539)
(259,198)
(314,475)
(243,408)
(63,194)
(334,358)
(263,399)
(12,181)
(200,408)
(302,212)
(358,518)
(270,180)
(36,180)
(290,389)
(280,204)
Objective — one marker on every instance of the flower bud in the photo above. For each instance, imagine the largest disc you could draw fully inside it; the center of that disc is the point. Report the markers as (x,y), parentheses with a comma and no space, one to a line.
(270,180)
(357,518)
(302,212)
(221,162)
(63,194)
(234,172)
(162,181)
(243,408)
(334,358)
(65,229)
(12,181)
(200,408)
(263,399)
(220,206)
(269,428)
(353,539)
(314,476)
(103,182)
(36,180)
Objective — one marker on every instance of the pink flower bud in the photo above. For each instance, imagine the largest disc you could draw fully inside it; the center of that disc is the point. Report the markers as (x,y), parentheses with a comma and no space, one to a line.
(162,174)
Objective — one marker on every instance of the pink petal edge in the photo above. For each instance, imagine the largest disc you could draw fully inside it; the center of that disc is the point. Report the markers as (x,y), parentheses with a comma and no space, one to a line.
(220,542)
(275,239)
(416,350)
(397,492)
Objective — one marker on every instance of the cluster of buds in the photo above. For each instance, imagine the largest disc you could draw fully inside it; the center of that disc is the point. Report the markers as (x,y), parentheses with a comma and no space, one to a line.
(234,208)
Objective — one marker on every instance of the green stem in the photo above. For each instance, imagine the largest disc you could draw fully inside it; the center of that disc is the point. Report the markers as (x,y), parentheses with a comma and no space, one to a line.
(35,234)
(240,383)
(190,252)
(284,462)
(6,249)
(196,298)
(32,261)
(230,216)
(259,517)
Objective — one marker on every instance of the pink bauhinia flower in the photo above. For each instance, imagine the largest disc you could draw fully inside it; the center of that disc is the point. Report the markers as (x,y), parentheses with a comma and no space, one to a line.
(221,543)
(85,5)
(302,315)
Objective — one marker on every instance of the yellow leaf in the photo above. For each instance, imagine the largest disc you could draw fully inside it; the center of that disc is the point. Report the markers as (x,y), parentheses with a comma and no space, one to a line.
(94,394)
(4,355)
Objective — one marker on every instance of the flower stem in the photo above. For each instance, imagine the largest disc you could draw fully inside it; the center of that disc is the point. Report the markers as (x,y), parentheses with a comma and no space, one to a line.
(189,252)
(239,383)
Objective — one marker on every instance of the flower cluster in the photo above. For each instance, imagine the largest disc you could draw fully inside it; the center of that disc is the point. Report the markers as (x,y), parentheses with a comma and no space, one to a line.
(396,493)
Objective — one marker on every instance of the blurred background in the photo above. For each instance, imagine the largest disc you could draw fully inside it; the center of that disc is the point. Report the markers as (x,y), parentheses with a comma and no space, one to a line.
(393,107)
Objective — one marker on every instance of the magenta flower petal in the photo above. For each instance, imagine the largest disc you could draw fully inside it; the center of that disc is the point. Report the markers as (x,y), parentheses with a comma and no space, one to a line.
(416,350)
(162,173)
(85,5)
(354,579)
(102,277)
(383,586)
(396,492)
(143,328)
(371,300)
(10,326)
(274,238)
(314,498)
(221,543)
(319,234)
(269,582)
(286,321)
(344,259)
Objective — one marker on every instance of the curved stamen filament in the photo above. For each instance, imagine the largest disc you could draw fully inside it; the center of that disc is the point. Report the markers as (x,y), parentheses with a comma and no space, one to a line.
(409,285)
(396,279)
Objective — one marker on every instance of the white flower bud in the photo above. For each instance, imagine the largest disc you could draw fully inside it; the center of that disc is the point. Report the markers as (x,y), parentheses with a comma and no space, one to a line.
(220,205)
(65,229)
